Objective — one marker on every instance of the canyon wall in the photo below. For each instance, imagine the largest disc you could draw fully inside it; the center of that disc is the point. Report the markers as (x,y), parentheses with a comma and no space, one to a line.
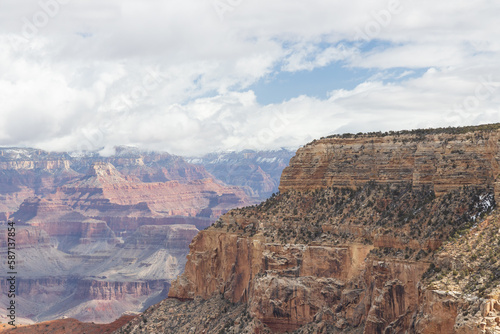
(443,161)
(352,242)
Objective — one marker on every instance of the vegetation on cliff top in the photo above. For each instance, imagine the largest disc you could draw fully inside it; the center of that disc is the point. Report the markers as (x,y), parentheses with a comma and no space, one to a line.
(423,132)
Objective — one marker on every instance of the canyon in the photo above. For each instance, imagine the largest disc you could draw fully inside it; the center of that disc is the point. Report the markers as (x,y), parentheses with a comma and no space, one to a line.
(370,233)
(98,237)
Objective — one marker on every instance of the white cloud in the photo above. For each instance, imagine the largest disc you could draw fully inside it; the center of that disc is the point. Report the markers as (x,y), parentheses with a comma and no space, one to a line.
(308,56)
(175,76)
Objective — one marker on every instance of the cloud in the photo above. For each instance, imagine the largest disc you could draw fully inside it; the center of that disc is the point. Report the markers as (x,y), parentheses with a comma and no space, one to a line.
(176,76)
(308,56)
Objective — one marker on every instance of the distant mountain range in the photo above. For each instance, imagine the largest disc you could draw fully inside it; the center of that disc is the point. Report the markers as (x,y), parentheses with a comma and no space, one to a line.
(257,172)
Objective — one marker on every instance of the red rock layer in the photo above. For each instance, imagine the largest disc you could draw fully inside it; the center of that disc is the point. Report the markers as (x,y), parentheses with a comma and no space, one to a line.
(104,186)
(26,236)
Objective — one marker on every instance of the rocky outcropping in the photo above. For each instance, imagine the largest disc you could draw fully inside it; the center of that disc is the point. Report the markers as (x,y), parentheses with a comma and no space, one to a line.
(351,243)
(443,161)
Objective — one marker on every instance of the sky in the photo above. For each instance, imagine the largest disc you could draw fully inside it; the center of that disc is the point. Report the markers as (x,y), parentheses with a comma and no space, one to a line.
(196,76)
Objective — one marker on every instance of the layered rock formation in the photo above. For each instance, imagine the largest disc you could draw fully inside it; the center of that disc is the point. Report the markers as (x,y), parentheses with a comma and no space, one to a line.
(81,268)
(145,166)
(93,245)
(103,192)
(177,185)
(351,244)
(59,220)
(96,280)
(442,161)
(28,172)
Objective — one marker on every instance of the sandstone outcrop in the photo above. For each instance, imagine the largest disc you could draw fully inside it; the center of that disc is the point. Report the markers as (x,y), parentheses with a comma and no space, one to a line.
(443,161)
(352,242)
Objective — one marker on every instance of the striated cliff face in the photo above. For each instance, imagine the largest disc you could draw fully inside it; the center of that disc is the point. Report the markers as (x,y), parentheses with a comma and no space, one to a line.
(167,183)
(103,190)
(353,243)
(145,166)
(286,286)
(443,161)
(88,251)
(92,279)
(59,220)
(27,236)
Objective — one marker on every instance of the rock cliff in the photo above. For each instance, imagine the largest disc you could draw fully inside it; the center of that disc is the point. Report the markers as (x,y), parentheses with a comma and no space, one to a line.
(443,161)
(357,241)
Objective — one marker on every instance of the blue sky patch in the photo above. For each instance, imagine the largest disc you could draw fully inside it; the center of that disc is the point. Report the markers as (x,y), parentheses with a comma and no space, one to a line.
(282,86)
